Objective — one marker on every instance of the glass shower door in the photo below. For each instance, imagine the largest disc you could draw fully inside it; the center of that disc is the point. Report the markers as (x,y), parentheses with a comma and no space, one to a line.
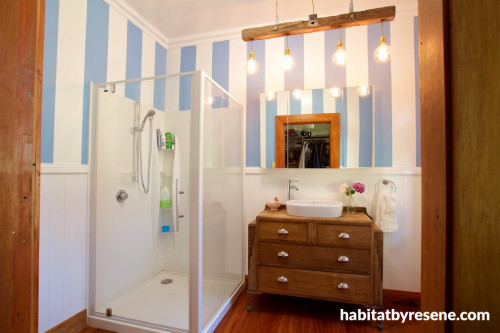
(222,204)
(140,249)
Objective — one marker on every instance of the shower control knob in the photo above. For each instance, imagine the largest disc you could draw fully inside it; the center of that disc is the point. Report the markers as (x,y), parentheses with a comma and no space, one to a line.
(121,196)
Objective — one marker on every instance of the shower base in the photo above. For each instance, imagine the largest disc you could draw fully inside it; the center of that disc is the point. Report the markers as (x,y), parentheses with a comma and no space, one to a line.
(167,305)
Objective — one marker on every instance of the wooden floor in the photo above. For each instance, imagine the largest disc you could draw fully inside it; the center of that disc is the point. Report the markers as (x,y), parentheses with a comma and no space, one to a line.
(282,314)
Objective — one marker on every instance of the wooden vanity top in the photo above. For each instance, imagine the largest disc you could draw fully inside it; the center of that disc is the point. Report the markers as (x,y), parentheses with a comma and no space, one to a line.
(281,215)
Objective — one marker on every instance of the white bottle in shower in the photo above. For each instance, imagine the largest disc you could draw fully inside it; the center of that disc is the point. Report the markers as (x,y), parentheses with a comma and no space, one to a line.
(165,200)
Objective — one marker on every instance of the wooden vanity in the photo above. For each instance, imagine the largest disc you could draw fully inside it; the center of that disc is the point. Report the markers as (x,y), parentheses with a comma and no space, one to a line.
(336,259)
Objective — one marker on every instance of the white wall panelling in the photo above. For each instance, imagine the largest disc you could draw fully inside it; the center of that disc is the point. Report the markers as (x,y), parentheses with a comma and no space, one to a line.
(63,245)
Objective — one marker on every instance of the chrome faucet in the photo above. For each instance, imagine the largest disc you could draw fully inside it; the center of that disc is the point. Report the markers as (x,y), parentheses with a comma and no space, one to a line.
(291,187)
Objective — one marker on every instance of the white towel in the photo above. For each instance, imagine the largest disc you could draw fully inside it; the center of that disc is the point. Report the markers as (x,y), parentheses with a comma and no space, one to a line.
(385,212)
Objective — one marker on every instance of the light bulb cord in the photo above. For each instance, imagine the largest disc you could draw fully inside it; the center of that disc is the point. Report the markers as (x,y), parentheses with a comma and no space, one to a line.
(276,19)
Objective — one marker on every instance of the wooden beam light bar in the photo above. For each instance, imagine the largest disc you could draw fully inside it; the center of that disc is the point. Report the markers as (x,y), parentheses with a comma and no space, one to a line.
(353,19)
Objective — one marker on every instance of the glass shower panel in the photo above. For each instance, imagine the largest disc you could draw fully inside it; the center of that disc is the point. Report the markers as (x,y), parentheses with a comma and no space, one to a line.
(140,250)
(222,225)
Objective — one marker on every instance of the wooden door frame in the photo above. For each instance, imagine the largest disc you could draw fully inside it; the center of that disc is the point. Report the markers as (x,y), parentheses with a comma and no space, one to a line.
(435,106)
(21,61)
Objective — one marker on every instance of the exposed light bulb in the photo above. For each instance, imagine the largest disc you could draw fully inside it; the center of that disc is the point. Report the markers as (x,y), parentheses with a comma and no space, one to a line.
(297,94)
(335,92)
(270,95)
(339,58)
(287,63)
(363,91)
(382,53)
(251,66)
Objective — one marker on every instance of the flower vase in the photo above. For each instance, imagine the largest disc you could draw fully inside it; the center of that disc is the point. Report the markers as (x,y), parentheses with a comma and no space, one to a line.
(351,204)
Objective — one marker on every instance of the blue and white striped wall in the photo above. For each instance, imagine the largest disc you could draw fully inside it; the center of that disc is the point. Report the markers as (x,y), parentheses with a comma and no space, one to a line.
(89,40)
(96,40)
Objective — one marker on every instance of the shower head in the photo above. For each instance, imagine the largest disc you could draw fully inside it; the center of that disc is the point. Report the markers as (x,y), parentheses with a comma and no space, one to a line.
(150,115)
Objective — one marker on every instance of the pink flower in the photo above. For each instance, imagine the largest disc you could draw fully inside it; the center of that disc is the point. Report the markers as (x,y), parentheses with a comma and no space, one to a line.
(358,187)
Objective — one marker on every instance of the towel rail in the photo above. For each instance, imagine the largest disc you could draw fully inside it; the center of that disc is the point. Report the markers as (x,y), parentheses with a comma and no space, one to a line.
(387,182)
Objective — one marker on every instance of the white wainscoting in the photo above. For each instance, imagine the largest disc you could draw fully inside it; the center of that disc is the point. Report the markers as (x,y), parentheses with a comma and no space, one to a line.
(64,220)
(401,248)
(63,243)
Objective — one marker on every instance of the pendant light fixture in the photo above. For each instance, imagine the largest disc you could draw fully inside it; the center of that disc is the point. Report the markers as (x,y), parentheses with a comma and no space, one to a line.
(287,63)
(383,51)
(251,66)
(339,58)
(364,91)
(335,92)
(270,95)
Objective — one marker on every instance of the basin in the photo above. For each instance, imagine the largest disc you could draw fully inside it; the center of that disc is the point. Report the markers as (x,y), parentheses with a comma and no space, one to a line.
(314,208)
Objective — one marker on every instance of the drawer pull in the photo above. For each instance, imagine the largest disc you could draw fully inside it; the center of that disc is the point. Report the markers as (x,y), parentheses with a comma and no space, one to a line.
(343,285)
(282,231)
(282,254)
(343,259)
(344,235)
(283,279)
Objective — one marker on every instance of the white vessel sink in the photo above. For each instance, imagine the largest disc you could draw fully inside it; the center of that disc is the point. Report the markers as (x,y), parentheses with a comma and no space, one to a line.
(314,208)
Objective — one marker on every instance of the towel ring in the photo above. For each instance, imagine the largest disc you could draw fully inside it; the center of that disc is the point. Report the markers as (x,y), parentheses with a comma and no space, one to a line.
(386,182)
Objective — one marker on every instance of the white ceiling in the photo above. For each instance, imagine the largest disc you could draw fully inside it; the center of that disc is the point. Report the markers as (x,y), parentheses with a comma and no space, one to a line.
(176,19)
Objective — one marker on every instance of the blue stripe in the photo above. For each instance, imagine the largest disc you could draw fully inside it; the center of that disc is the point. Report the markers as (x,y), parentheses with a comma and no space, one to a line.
(220,72)
(134,61)
(188,64)
(49,80)
(379,76)
(334,76)
(417,92)
(341,107)
(365,131)
(271,112)
(317,101)
(96,59)
(160,69)
(295,104)
(295,78)
(255,85)
(220,63)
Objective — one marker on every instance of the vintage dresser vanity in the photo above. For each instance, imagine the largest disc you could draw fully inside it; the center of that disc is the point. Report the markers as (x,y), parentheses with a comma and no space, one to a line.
(336,259)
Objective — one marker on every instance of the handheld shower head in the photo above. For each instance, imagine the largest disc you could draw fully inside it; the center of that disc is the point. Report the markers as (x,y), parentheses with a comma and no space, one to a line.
(150,115)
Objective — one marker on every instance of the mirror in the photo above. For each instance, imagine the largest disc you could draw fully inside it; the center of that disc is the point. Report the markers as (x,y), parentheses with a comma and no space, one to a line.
(307,141)
(355,125)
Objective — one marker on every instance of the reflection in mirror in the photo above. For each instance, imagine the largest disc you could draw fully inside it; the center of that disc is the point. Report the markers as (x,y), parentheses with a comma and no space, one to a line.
(356,123)
(308,141)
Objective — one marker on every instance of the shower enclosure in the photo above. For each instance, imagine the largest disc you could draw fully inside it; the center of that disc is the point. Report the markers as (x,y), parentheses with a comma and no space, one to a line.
(166,229)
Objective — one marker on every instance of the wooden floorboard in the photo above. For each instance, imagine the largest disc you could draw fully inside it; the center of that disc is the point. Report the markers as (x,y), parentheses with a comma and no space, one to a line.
(283,314)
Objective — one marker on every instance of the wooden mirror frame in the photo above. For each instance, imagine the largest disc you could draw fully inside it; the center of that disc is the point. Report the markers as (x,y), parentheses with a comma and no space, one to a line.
(333,119)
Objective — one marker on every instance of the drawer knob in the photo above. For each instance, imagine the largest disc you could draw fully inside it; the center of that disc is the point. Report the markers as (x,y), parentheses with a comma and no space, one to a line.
(282,254)
(283,279)
(343,259)
(344,235)
(282,231)
(343,285)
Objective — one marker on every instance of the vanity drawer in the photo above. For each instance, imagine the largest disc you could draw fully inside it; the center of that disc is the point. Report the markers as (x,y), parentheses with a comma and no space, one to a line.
(343,235)
(315,257)
(289,231)
(296,282)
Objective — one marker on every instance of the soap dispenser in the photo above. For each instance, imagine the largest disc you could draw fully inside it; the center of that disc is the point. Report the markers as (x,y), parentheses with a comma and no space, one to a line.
(165,200)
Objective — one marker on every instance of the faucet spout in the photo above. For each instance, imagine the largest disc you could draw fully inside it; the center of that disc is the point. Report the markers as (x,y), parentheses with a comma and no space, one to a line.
(291,187)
